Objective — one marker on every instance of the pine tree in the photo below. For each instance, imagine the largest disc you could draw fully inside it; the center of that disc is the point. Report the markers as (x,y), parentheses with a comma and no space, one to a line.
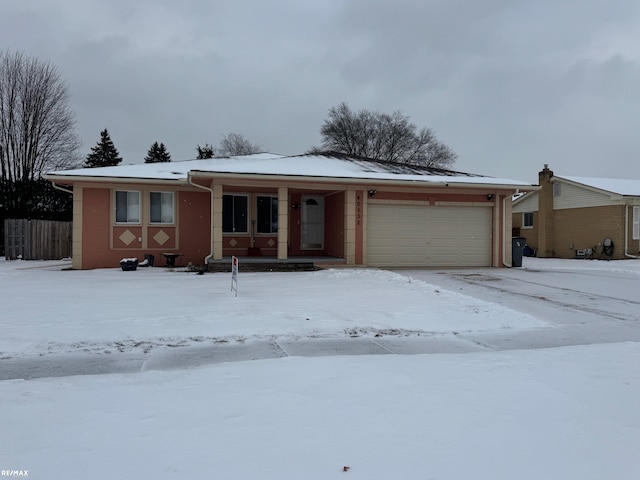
(157,153)
(104,154)
(205,152)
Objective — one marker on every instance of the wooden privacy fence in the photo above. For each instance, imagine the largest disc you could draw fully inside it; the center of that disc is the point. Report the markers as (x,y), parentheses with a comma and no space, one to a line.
(37,239)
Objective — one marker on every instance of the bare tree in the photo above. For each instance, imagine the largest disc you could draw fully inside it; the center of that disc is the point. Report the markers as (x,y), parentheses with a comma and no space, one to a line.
(37,126)
(236,144)
(390,138)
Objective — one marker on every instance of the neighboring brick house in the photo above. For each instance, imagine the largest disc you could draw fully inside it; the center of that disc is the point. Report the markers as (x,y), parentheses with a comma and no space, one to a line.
(342,209)
(572,217)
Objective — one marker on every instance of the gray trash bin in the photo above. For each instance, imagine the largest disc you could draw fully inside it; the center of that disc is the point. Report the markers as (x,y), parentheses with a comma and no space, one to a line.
(517,247)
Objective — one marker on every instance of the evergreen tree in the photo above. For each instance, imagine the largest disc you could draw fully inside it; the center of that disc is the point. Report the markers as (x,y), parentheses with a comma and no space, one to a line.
(104,154)
(205,152)
(231,144)
(157,154)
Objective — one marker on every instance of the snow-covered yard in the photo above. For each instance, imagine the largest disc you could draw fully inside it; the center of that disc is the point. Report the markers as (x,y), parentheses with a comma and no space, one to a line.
(47,310)
(562,413)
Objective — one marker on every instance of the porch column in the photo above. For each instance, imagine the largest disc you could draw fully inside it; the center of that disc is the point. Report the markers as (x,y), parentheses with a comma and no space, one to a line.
(283,223)
(507,244)
(76,242)
(216,220)
(350,227)
(497,240)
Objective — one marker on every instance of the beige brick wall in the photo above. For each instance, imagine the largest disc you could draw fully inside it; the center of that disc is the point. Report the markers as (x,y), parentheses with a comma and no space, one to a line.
(581,228)
(546,234)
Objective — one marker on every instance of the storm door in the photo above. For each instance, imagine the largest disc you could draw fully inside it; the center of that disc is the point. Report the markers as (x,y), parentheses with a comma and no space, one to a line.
(312,226)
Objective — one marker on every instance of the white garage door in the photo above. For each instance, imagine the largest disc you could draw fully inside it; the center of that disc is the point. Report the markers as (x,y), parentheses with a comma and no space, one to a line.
(428,236)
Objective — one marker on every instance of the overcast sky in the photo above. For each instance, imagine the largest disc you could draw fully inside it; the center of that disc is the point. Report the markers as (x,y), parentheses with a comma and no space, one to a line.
(508,84)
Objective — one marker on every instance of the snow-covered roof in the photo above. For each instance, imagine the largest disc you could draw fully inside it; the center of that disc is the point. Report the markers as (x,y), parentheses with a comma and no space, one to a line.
(621,186)
(320,165)
(156,171)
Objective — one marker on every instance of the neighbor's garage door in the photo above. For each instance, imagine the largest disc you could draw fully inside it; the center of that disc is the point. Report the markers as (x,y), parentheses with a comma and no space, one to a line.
(417,235)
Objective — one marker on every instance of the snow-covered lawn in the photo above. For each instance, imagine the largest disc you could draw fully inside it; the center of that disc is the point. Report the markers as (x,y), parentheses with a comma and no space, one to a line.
(562,413)
(112,310)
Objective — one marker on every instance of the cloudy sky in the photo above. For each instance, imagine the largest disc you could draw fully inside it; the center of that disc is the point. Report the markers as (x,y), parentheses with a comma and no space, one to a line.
(508,84)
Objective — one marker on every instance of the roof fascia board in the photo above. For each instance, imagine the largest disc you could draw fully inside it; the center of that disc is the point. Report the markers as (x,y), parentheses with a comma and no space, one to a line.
(357,181)
(70,179)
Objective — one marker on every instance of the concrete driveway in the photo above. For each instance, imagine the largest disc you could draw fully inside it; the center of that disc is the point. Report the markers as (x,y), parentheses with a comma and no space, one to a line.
(583,304)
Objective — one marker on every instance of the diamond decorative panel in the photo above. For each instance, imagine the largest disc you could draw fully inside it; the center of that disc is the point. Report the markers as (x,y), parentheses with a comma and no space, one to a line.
(233,242)
(271,243)
(161,237)
(127,237)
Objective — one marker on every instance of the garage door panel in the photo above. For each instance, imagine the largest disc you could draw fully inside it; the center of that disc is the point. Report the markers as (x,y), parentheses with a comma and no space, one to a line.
(416,235)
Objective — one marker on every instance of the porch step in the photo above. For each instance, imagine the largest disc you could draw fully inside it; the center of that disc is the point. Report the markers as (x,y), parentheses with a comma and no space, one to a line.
(264,267)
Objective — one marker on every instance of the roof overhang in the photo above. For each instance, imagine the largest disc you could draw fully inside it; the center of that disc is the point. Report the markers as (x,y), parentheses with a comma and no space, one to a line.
(195,175)
(71,179)
(199,174)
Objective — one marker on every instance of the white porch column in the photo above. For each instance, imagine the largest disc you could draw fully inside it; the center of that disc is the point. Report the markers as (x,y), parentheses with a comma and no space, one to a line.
(283,223)
(350,227)
(216,221)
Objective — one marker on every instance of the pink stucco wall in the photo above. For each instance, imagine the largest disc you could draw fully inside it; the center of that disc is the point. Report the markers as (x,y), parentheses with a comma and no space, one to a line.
(104,243)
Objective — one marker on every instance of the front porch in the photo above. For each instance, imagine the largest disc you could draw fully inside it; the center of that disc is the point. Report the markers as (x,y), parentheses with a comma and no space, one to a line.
(273,264)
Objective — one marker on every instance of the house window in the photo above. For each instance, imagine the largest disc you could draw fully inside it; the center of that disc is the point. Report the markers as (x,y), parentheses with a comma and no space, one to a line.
(527,220)
(161,207)
(557,190)
(127,207)
(235,213)
(636,223)
(267,214)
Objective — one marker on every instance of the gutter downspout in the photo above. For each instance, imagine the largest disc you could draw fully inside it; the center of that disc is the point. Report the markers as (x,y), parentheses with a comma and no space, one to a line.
(626,233)
(210,190)
(506,262)
(62,189)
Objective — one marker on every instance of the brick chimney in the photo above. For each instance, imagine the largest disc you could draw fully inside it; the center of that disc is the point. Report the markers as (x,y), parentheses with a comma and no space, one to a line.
(545,213)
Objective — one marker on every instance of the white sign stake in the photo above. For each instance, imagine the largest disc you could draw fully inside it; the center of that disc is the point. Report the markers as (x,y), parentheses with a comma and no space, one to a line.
(234,275)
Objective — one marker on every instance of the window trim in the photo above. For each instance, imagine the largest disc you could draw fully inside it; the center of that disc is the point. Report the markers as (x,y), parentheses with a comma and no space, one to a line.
(248,222)
(524,217)
(173,208)
(636,223)
(115,208)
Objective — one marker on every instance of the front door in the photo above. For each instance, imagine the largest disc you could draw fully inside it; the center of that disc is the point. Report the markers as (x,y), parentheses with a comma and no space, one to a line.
(312,226)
